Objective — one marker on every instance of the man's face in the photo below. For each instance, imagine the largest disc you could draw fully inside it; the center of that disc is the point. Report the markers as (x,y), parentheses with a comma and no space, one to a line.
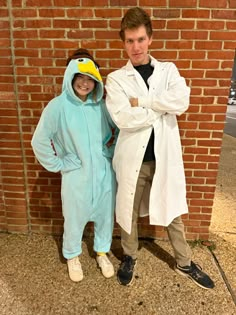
(136,44)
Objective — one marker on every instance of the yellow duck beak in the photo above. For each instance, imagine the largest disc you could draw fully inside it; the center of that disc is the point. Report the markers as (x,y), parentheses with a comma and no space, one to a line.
(89,68)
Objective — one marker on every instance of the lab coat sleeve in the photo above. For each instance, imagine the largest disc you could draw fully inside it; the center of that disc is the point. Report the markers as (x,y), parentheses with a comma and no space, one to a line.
(44,150)
(110,121)
(172,100)
(126,117)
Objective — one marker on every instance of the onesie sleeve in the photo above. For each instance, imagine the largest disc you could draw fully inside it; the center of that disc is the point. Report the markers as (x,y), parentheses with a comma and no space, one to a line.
(43,147)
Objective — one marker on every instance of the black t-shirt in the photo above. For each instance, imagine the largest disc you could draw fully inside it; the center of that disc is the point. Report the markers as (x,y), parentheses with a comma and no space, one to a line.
(146,71)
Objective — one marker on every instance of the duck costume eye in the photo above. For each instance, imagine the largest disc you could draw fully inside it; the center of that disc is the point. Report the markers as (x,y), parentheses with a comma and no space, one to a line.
(87,66)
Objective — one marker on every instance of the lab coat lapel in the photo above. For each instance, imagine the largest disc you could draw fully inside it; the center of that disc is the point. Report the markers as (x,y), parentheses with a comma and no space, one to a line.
(130,71)
(154,80)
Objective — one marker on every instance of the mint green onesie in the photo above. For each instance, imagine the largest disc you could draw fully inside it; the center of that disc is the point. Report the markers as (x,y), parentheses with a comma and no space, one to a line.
(71,138)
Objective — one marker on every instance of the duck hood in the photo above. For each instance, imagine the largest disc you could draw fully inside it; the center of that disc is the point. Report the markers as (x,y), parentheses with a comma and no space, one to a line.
(83,66)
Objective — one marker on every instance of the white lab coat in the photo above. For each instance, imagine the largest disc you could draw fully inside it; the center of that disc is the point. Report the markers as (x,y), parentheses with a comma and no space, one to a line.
(166,97)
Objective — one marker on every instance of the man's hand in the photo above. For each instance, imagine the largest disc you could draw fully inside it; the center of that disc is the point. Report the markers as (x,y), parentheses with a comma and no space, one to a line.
(133,102)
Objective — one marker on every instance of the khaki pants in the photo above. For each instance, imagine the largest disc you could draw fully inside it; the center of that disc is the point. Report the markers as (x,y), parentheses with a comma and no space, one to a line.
(175,230)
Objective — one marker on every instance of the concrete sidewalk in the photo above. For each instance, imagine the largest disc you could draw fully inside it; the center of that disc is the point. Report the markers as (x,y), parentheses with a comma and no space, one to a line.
(34,278)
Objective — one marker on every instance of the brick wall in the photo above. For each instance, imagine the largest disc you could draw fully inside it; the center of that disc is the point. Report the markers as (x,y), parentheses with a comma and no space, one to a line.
(35,40)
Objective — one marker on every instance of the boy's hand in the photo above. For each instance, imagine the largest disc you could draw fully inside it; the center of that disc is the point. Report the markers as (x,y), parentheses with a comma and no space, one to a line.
(133,102)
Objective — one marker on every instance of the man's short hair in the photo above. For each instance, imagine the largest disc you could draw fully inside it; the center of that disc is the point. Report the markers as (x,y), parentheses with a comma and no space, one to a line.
(134,18)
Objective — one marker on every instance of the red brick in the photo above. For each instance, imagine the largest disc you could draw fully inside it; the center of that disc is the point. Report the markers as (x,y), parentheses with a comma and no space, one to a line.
(152,3)
(23,13)
(82,13)
(166,13)
(213,4)
(51,13)
(180,24)
(195,13)
(183,3)
(96,24)
(224,14)
(166,34)
(209,45)
(39,3)
(109,13)
(215,35)
(194,35)
(181,44)
(94,3)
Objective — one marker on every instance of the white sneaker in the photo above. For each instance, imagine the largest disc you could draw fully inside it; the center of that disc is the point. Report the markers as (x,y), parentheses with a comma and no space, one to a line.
(75,269)
(105,265)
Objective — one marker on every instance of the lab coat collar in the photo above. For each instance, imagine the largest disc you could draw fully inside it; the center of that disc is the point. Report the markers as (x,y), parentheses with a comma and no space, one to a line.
(130,68)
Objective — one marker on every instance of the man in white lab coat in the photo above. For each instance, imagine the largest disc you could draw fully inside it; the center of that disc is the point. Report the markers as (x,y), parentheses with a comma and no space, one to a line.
(143,99)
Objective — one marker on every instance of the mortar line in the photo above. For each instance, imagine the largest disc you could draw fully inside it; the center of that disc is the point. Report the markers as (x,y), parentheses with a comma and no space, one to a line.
(9,5)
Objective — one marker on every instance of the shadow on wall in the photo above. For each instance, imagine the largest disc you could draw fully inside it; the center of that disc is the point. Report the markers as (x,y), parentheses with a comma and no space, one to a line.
(45,204)
(46,209)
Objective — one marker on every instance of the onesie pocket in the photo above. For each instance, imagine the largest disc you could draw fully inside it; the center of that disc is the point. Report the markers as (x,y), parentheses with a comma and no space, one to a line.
(70,163)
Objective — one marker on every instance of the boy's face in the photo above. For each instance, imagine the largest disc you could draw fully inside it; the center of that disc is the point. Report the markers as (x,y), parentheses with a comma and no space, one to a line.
(136,44)
(83,85)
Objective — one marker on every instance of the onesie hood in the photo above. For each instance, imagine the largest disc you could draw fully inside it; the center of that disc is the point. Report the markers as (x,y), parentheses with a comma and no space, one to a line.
(87,67)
